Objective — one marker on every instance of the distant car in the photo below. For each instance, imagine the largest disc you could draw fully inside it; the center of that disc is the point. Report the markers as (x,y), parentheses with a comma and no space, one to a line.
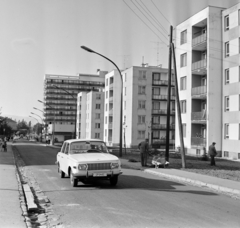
(86,159)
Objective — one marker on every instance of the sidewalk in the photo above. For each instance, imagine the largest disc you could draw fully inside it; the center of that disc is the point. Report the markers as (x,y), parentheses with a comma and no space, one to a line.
(10,211)
(214,183)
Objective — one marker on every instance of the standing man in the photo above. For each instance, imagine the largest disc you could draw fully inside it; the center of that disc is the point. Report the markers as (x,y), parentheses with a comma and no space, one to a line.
(143,147)
(212,152)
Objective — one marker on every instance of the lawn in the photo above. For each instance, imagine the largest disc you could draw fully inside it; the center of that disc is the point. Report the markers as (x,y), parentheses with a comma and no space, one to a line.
(226,169)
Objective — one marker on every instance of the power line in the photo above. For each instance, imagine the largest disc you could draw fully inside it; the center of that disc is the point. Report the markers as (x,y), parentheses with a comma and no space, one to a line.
(148,19)
(161,13)
(143,21)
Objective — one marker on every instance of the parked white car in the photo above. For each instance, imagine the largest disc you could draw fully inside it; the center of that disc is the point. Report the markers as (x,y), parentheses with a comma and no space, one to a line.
(85,159)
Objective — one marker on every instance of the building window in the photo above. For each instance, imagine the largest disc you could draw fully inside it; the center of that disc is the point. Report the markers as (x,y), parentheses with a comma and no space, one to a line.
(184,130)
(141,89)
(156,120)
(125,77)
(184,37)
(226,131)
(141,134)
(183,105)
(97,135)
(156,91)
(183,60)
(98,96)
(155,134)
(106,107)
(125,105)
(125,91)
(106,94)
(98,106)
(141,119)
(239,17)
(142,74)
(97,115)
(226,23)
(97,125)
(156,76)
(227,76)
(227,49)
(183,83)
(226,104)
(105,119)
(107,82)
(141,104)
(226,154)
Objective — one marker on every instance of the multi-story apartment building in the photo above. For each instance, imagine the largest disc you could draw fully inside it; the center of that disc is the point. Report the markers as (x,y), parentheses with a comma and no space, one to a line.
(144,106)
(90,115)
(199,67)
(112,108)
(60,100)
(231,82)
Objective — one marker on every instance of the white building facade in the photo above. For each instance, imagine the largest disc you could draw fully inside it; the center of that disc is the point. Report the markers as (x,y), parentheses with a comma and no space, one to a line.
(231,83)
(199,68)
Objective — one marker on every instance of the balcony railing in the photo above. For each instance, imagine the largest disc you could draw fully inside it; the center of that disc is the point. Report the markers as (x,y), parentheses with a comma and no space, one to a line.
(197,141)
(162,82)
(199,39)
(199,64)
(200,90)
(162,111)
(162,126)
(163,97)
(199,116)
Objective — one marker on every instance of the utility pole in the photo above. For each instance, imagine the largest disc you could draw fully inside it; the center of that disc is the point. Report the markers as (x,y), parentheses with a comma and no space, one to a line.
(169,95)
(179,111)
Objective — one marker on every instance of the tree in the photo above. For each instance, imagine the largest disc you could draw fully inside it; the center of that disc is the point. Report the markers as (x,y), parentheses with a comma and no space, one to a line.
(38,128)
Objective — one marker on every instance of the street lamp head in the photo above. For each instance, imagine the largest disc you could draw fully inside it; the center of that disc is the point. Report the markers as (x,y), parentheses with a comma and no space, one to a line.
(87,49)
(40,101)
(32,113)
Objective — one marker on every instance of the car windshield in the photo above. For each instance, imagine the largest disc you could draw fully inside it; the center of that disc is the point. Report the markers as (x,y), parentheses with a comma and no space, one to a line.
(88,147)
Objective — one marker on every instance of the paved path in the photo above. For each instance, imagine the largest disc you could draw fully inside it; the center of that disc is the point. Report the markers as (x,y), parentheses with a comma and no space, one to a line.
(10,211)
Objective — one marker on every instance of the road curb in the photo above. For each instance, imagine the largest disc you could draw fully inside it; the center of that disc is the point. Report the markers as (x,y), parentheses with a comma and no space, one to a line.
(233,192)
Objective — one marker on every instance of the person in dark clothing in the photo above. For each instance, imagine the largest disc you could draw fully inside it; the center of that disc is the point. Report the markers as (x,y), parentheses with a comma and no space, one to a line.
(212,152)
(143,147)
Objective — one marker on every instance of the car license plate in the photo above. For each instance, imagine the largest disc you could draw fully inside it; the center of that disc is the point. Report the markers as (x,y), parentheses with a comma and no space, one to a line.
(99,174)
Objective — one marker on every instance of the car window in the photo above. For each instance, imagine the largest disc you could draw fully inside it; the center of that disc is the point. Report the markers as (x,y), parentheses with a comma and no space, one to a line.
(63,147)
(88,147)
(66,148)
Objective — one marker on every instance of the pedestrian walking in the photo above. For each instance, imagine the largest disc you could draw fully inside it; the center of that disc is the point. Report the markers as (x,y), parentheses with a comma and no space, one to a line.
(212,152)
(5,144)
(143,147)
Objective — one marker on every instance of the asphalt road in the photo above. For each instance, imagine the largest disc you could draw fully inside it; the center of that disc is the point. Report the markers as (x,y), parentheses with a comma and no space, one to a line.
(139,200)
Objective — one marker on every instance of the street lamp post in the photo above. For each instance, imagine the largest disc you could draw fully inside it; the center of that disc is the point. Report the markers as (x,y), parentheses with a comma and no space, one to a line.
(36,120)
(75,125)
(43,120)
(91,51)
(53,129)
(125,126)
(42,123)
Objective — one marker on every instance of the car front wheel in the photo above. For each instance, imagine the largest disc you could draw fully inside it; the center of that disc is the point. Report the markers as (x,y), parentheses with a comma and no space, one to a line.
(73,180)
(114,180)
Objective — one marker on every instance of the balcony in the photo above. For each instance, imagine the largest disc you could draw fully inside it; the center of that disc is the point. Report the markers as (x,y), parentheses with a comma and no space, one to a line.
(163,126)
(199,92)
(199,117)
(199,43)
(162,83)
(197,141)
(162,97)
(110,125)
(162,112)
(200,67)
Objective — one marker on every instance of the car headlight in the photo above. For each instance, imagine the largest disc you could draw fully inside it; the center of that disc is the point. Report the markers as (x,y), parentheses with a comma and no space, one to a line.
(82,166)
(114,165)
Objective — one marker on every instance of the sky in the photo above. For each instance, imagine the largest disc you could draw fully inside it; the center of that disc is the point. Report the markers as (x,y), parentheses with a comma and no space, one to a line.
(41,37)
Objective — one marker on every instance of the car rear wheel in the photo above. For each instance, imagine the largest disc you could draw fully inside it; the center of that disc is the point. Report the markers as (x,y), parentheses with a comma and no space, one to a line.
(61,173)
(113,180)
(73,180)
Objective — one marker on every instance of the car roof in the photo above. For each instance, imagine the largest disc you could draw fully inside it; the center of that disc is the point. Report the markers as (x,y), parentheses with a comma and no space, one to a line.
(83,140)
